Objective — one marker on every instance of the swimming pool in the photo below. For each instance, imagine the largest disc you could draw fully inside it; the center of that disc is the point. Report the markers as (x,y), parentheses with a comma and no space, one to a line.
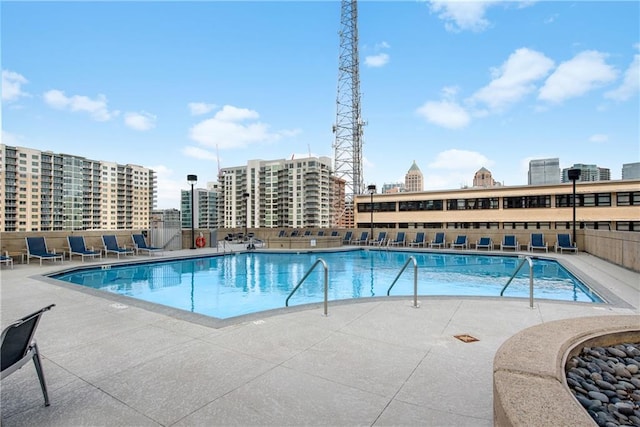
(232,285)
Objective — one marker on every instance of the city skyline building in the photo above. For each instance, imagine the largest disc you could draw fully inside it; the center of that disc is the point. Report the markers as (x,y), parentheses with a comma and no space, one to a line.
(631,170)
(544,171)
(46,191)
(483,178)
(205,209)
(413,180)
(587,173)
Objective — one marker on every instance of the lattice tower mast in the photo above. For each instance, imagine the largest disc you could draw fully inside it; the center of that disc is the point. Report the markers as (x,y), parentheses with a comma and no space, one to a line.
(348,128)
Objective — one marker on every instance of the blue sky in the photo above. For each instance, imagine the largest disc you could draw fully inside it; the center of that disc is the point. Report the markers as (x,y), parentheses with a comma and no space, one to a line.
(186,87)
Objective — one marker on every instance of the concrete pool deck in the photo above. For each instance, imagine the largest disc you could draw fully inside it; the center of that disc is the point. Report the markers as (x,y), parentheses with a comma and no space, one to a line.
(374,362)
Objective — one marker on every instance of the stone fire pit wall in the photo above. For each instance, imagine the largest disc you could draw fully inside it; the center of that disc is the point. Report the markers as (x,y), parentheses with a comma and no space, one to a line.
(529,386)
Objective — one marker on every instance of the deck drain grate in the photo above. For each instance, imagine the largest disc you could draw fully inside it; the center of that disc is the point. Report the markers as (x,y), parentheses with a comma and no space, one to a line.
(466,338)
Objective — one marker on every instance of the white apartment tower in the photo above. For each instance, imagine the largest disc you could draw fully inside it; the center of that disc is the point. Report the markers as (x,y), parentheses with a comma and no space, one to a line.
(45,191)
(276,193)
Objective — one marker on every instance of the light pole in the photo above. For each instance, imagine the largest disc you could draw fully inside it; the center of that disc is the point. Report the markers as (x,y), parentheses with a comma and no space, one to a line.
(245,196)
(574,174)
(192,180)
(372,189)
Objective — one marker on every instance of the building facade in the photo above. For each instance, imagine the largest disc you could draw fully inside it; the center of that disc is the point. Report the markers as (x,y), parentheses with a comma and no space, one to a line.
(544,171)
(484,179)
(413,180)
(631,170)
(45,191)
(280,193)
(610,205)
(587,173)
(205,211)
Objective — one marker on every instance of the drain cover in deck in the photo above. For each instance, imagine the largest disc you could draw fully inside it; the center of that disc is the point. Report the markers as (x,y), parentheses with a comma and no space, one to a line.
(466,338)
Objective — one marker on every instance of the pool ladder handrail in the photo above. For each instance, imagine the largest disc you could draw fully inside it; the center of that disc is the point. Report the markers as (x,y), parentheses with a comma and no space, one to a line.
(326,283)
(525,259)
(415,279)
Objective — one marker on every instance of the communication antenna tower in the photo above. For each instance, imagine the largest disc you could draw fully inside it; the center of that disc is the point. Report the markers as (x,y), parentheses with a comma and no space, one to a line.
(348,128)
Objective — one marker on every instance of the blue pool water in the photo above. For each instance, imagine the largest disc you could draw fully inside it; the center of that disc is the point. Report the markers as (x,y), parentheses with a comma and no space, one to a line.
(233,285)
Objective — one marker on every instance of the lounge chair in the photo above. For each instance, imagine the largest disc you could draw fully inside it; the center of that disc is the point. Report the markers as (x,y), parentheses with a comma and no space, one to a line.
(335,233)
(140,244)
(564,243)
(6,259)
(364,238)
(346,240)
(18,347)
(509,242)
(382,237)
(307,233)
(78,247)
(282,233)
(399,240)
(537,242)
(460,242)
(484,242)
(111,246)
(37,248)
(320,233)
(419,240)
(295,233)
(438,240)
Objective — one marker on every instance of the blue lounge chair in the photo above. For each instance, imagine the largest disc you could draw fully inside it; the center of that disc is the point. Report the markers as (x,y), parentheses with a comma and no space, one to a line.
(295,233)
(6,259)
(111,246)
(37,248)
(18,347)
(419,240)
(78,247)
(335,233)
(564,243)
(282,233)
(382,237)
(346,240)
(364,238)
(399,240)
(509,242)
(484,242)
(320,233)
(140,244)
(438,240)
(537,242)
(460,242)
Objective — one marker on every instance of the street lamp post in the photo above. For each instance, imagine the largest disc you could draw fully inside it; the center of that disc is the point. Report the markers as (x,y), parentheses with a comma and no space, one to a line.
(574,175)
(192,180)
(372,189)
(245,196)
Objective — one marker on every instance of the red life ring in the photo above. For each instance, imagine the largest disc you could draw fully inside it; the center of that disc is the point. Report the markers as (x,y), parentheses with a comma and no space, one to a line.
(200,242)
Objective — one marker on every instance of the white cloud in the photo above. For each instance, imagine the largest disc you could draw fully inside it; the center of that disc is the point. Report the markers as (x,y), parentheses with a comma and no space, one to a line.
(445,113)
(631,83)
(378,60)
(577,76)
(9,138)
(462,15)
(140,121)
(461,160)
(514,79)
(599,138)
(234,127)
(199,153)
(199,108)
(12,85)
(97,108)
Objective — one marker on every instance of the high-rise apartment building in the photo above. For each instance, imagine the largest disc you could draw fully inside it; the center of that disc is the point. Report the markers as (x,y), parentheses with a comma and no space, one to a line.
(631,170)
(45,191)
(588,173)
(544,171)
(413,180)
(278,193)
(205,209)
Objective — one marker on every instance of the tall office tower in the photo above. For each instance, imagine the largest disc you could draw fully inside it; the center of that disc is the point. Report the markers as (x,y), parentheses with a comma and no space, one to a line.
(45,191)
(205,209)
(587,173)
(349,125)
(277,193)
(544,171)
(413,180)
(631,170)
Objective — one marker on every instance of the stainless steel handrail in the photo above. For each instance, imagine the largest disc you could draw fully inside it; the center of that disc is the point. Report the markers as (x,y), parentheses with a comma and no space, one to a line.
(415,279)
(527,258)
(326,283)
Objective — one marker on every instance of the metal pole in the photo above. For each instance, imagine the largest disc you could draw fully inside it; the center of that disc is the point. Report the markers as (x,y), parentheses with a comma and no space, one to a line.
(574,212)
(193,221)
(371,237)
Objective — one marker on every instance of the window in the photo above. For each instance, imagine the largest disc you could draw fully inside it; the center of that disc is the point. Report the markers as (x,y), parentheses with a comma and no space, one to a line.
(628,198)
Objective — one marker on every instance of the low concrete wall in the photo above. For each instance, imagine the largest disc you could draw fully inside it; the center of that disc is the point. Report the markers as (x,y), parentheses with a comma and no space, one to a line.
(619,247)
(529,384)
